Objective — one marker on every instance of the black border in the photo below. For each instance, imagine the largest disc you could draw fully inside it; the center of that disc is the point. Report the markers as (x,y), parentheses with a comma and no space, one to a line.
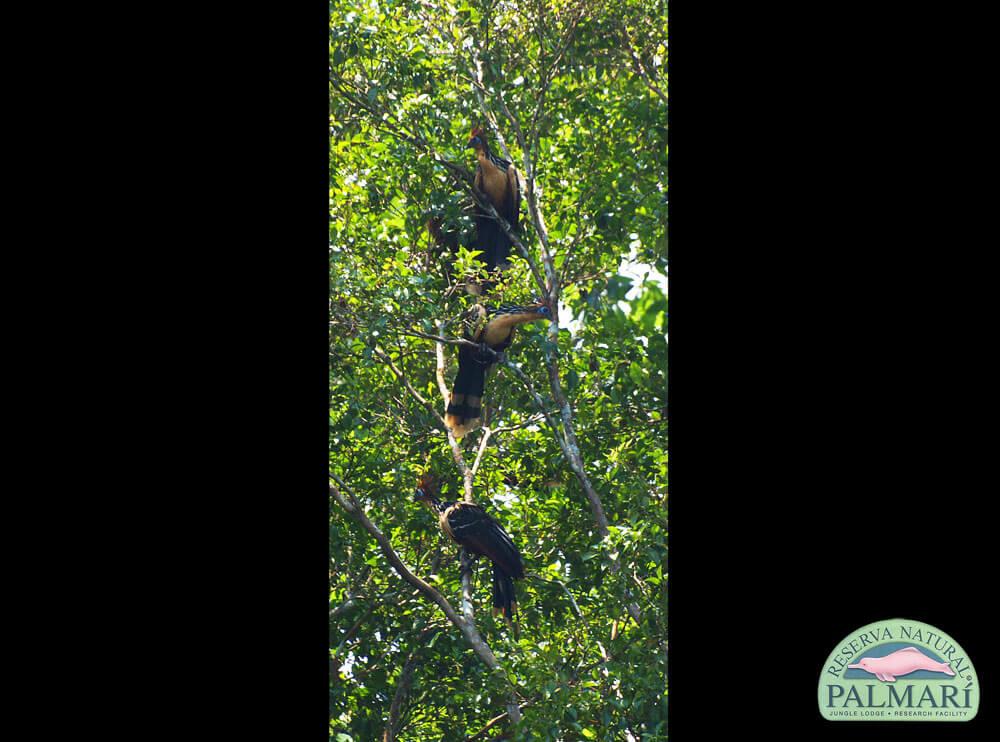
(211,147)
(827,361)
(831,360)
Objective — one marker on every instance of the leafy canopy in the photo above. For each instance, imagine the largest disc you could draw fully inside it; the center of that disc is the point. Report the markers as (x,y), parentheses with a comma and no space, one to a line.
(590,79)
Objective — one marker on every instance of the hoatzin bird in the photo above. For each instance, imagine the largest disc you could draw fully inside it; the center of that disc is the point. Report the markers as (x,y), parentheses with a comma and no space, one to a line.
(468,525)
(499,180)
(493,330)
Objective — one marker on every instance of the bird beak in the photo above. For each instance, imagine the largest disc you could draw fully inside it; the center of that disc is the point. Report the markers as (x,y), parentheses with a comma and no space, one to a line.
(855,667)
(419,494)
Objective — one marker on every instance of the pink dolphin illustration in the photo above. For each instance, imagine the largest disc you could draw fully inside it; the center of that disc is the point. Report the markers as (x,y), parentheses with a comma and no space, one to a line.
(900,662)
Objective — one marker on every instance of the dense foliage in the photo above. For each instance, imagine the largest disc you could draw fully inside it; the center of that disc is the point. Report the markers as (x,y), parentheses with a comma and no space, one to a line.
(589,80)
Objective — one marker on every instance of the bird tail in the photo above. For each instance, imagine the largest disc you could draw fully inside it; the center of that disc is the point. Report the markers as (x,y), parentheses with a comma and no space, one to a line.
(504,597)
(494,243)
(464,409)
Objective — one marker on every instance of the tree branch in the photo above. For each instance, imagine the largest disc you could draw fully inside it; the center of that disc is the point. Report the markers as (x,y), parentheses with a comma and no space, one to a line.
(446,341)
(402,691)
(456,451)
(466,472)
(493,722)
(546,277)
(394,722)
(347,605)
(640,68)
(350,504)
(487,432)
(568,444)
(568,441)
(572,600)
(402,377)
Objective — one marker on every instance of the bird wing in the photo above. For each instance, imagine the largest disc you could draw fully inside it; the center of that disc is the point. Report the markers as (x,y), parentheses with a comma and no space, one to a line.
(477,181)
(473,321)
(472,528)
(513,197)
(499,162)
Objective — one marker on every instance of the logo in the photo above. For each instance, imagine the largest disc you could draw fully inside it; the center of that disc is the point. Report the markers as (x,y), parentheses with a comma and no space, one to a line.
(898,670)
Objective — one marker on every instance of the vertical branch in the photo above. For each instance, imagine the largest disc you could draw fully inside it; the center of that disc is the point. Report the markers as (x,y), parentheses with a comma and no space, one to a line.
(466,569)
(478,88)
(476,70)
(532,194)
(529,151)
(456,452)
(568,443)
(402,692)
(487,432)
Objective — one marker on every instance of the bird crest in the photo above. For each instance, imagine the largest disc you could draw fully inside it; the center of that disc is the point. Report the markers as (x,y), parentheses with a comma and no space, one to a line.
(477,131)
(428,483)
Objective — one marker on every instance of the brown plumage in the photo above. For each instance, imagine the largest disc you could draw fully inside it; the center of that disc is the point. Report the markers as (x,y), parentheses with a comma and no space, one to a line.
(469,526)
(498,179)
(494,329)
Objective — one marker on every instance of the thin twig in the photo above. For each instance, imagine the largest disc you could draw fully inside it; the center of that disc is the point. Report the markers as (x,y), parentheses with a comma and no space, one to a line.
(487,432)
(640,68)
(440,339)
(493,722)
(402,377)
(539,402)
(393,724)
(572,600)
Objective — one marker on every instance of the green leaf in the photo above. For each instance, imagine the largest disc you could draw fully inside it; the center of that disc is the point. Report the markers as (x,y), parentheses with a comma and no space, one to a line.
(400,69)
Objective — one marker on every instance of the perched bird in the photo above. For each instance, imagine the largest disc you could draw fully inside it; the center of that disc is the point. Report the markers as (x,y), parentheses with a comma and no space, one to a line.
(493,330)
(468,525)
(499,180)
